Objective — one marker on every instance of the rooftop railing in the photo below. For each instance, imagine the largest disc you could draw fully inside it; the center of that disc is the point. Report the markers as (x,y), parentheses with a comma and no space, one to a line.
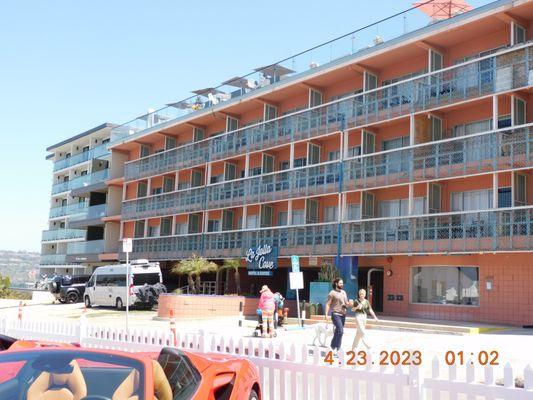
(509,229)
(342,48)
(506,70)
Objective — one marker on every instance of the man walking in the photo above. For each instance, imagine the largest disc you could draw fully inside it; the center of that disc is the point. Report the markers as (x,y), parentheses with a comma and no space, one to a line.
(338,303)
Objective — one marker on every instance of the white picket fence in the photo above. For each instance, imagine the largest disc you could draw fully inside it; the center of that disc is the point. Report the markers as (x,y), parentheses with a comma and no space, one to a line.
(290,371)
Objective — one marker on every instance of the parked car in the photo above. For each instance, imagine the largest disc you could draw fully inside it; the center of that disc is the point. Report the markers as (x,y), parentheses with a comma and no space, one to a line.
(107,286)
(74,373)
(68,289)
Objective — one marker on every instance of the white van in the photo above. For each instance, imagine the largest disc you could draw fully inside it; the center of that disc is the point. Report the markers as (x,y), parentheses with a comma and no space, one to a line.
(107,286)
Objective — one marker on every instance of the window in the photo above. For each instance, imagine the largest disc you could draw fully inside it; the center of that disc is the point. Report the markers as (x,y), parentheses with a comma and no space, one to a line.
(334,155)
(213,225)
(298,217)
(232,124)
(519,189)
(518,34)
(166,226)
(106,140)
(519,112)
(354,212)
(157,190)
(153,231)
(181,229)
(230,171)
(267,164)
(252,221)
(168,184)
(145,151)
(300,162)
(150,279)
(170,142)
(85,149)
(216,179)
(198,134)
(445,285)
(142,189)
(282,218)
(311,211)
(472,200)
(139,229)
(196,178)
(270,112)
(313,153)
(354,151)
(367,201)
(84,173)
(194,223)
(315,98)
(330,214)
(504,197)
(227,220)
(369,142)
(267,213)
(284,165)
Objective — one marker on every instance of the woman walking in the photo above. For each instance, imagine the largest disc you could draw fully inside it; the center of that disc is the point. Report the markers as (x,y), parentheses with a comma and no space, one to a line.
(267,306)
(362,308)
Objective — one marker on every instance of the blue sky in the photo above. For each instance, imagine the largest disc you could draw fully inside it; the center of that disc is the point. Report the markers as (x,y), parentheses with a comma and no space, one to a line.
(67,66)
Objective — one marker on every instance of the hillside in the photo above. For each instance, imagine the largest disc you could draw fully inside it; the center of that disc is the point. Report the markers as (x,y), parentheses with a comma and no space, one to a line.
(20,266)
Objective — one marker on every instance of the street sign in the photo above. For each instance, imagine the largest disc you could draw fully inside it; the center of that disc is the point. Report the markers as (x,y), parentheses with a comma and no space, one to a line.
(127,245)
(296,280)
(295,261)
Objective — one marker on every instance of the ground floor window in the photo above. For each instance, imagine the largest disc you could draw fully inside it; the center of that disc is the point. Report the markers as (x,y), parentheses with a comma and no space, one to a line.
(445,285)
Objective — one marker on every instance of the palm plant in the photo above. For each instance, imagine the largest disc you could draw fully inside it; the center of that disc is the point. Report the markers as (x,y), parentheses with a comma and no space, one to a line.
(194,267)
(232,264)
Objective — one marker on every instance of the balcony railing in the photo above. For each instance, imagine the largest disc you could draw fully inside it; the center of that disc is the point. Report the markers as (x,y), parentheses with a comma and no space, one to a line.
(86,247)
(53,259)
(71,209)
(81,181)
(473,154)
(95,152)
(478,153)
(487,75)
(63,234)
(343,48)
(493,230)
(93,212)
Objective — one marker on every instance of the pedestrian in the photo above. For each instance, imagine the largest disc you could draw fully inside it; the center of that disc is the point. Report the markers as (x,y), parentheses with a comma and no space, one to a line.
(267,306)
(362,308)
(338,303)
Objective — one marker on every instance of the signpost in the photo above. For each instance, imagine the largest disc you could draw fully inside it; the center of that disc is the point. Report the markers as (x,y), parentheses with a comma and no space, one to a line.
(127,247)
(296,280)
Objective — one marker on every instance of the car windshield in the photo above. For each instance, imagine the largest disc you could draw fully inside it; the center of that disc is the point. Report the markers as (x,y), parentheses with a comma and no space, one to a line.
(77,373)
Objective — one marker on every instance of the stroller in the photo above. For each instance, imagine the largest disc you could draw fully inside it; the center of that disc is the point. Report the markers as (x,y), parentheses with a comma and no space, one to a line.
(258,331)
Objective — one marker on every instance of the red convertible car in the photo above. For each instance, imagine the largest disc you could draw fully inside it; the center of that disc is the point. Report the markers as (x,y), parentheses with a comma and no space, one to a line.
(46,372)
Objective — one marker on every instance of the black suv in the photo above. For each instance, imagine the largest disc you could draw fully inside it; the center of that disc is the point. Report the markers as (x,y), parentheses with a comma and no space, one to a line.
(69,289)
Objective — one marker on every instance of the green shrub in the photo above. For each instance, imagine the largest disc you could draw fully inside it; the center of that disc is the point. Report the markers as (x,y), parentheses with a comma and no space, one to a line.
(327,273)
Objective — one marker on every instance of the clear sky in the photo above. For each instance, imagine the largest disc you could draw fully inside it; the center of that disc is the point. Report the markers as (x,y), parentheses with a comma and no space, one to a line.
(67,66)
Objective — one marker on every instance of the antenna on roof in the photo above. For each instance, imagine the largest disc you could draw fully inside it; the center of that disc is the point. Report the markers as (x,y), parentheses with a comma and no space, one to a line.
(443,9)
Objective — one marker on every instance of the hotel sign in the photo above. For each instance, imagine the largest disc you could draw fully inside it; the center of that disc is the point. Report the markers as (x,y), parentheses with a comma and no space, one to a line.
(261,260)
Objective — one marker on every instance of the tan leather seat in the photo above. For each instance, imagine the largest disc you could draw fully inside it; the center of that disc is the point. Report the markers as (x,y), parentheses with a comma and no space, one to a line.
(50,386)
(129,386)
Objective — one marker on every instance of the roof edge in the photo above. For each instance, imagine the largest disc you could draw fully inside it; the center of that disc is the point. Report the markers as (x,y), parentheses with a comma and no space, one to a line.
(80,135)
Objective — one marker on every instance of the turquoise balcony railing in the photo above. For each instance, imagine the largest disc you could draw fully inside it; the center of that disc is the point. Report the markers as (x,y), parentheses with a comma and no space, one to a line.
(474,231)
(71,209)
(86,247)
(95,152)
(503,71)
(93,212)
(63,234)
(339,50)
(81,181)
(53,259)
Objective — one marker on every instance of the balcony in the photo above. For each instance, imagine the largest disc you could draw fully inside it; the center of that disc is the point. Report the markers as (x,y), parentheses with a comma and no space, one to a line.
(53,259)
(504,71)
(474,154)
(71,209)
(183,201)
(81,181)
(63,234)
(464,232)
(86,247)
(90,213)
(95,152)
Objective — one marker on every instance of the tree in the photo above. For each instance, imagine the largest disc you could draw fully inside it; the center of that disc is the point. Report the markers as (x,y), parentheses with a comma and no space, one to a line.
(233,264)
(194,267)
